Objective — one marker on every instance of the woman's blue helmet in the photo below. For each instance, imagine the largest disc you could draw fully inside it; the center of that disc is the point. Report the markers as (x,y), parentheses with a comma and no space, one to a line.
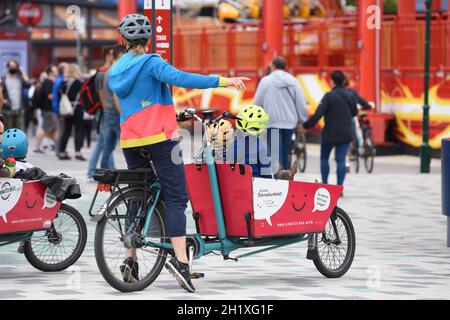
(14,143)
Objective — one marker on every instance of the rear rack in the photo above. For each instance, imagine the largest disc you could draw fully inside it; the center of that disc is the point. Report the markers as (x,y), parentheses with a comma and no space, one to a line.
(115,178)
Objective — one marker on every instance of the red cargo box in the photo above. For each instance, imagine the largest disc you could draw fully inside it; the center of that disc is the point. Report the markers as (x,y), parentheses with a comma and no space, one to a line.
(26,206)
(276,207)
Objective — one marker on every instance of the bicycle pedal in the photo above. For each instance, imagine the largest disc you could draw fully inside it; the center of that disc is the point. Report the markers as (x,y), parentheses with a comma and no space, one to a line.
(197,275)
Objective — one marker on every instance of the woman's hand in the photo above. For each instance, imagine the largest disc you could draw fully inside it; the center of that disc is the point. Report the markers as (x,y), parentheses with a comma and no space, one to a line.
(238,83)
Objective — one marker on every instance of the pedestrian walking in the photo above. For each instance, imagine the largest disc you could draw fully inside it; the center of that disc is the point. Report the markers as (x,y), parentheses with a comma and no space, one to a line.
(111,115)
(43,100)
(71,87)
(338,107)
(13,85)
(282,97)
(96,154)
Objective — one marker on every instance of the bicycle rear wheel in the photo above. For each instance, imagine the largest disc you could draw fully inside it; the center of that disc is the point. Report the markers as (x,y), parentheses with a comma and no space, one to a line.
(111,239)
(61,246)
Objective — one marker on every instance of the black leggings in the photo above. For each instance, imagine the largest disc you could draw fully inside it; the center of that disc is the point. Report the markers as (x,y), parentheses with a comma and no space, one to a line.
(77,121)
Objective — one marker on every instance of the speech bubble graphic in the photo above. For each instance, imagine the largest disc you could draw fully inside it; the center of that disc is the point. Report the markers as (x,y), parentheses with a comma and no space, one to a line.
(321,200)
(10,191)
(49,199)
(268,197)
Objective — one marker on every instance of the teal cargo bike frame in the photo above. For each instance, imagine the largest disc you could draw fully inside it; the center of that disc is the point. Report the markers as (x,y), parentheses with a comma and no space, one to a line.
(225,244)
(143,184)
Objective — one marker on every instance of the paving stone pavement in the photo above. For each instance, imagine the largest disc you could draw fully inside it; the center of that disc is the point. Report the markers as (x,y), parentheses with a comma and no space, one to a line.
(401,250)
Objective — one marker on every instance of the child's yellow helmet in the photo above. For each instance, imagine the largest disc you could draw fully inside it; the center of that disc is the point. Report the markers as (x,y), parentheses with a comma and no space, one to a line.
(252,120)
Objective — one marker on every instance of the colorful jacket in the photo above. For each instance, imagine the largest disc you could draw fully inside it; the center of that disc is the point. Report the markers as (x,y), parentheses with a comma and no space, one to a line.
(147,111)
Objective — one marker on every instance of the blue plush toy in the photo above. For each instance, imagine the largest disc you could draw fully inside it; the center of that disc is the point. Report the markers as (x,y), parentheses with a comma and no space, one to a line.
(15,144)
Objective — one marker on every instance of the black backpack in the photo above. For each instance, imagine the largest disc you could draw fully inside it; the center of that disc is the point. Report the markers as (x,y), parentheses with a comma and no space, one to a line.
(89,99)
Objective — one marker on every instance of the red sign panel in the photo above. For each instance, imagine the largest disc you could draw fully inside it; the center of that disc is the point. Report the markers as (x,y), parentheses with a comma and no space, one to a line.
(160,14)
(29,13)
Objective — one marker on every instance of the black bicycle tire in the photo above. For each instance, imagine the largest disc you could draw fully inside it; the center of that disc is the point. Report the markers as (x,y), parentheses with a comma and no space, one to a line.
(350,252)
(99,252)
(73,258)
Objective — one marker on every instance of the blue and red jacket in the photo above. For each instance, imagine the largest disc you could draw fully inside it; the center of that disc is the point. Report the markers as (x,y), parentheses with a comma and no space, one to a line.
(147,111)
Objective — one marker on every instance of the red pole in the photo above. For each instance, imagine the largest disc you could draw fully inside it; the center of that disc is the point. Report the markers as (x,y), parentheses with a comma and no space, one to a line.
(369,45)
(125,7)
(273,22)
(407,34)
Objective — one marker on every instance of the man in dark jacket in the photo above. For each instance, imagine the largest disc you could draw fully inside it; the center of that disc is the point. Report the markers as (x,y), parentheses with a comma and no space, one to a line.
(338,107)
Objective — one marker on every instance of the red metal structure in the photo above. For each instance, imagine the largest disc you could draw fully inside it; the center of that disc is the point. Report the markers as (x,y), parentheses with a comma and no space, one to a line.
(390,74)
(273,17)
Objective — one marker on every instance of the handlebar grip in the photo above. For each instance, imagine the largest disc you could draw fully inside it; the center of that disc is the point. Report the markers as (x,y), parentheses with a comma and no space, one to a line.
(183,116)
(229,115)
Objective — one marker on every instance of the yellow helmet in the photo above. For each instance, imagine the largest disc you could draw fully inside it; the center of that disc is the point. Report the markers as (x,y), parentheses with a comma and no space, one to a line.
(252,120)
(220,133)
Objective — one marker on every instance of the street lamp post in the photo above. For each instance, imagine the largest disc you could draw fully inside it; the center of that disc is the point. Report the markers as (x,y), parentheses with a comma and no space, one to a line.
(425,149)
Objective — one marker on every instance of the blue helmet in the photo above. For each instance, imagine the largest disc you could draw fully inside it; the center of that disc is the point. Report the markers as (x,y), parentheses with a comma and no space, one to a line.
(14,143)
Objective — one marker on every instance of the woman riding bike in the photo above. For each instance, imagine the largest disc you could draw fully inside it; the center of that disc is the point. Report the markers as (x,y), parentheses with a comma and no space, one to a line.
(149,129)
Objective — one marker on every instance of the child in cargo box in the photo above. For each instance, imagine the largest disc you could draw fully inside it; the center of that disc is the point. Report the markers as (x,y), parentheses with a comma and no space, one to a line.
(248,145)
(13,151)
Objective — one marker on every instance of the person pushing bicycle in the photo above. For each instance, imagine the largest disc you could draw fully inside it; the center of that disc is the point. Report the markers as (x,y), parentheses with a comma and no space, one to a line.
(149,127)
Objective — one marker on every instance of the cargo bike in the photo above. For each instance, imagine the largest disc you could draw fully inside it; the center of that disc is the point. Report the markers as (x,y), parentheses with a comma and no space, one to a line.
(231,209)
(52,234)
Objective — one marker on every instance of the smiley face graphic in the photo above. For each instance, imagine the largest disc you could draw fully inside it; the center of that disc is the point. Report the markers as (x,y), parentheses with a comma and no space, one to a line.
(298,208)
(31,203)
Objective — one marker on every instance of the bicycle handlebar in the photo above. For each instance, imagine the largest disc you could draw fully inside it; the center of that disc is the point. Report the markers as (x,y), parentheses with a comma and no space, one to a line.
(189,114)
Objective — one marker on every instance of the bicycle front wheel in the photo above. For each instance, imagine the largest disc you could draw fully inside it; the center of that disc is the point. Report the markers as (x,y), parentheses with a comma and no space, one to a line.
(124,262)
(369,154)
(335,247)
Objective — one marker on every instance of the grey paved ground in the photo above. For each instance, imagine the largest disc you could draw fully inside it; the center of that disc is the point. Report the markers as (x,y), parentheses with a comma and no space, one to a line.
(401,251)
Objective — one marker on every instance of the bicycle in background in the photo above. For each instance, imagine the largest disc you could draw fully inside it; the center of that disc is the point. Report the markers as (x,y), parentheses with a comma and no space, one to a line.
(363,148)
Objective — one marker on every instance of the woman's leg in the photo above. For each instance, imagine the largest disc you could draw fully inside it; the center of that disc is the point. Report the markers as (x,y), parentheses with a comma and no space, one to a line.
(78,121)
(173,186)
(341,151)
(325,151)
(66,131)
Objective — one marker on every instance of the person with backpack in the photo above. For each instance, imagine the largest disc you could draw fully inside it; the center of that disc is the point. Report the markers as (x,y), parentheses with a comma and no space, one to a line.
(42,100)
(93,88)
(71,112)
(110,128)
(338,107)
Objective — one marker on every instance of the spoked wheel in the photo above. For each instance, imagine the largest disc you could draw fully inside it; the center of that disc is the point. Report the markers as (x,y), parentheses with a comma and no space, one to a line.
(136,268)
(61,246)
(335,251)
(369,154)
